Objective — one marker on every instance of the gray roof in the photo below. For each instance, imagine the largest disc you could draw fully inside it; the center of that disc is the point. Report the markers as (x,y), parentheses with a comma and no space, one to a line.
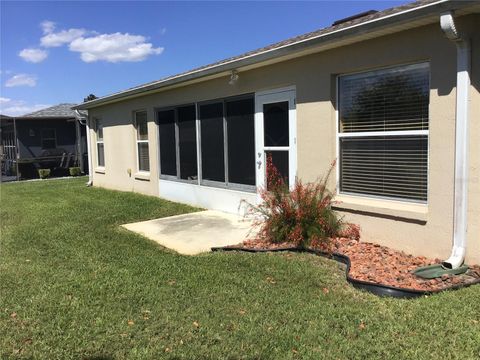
(404,13)
(56,111)
(369,16)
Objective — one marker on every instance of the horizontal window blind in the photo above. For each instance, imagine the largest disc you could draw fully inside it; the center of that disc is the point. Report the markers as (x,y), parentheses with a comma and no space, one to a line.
(393,166)
(100,154)
(143,158)
(385,100)
(100,144)
(141,125)
(383,132)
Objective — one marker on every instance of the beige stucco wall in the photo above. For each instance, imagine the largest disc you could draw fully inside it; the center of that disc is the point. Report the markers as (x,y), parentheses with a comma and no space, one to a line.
(417,229)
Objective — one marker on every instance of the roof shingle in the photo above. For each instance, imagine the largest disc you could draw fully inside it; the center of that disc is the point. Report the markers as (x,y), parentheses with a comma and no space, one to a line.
(61,110)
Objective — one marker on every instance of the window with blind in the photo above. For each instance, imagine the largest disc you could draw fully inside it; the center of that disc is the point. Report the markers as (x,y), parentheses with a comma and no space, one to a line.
(100,144)
(141,126)
(383,132)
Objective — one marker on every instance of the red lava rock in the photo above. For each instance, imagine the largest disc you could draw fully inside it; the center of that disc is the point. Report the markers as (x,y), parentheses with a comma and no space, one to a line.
(381,265)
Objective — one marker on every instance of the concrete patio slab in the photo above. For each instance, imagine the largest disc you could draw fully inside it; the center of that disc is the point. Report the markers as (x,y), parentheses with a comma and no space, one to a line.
(194,233)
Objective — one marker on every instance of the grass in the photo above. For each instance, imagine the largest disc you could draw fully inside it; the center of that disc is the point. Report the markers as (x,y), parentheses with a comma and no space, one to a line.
(74,285)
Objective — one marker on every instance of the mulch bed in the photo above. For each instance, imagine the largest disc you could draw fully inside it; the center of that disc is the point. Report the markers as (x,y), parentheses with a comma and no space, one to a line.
(378,264)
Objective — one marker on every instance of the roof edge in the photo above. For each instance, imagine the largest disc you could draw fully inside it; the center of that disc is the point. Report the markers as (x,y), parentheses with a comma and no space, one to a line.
(269,54)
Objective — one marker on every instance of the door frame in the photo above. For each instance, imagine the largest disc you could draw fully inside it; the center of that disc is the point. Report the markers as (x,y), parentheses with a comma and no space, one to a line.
(268,97)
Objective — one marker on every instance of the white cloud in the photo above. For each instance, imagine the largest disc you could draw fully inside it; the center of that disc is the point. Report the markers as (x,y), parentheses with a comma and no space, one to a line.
(33,55)
(21,80)
(114,48)
(18,107)
(55,39)
(93,46)
(47,26)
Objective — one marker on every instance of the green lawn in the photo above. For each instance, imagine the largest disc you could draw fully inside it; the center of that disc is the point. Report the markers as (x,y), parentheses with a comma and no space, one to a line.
(73,284)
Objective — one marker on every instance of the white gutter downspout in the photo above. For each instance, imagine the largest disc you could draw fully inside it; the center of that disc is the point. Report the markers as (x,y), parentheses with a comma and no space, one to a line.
(457,257)
(82,118)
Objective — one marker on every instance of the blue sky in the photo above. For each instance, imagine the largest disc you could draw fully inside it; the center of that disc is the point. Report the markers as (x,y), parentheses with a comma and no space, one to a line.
(54,52)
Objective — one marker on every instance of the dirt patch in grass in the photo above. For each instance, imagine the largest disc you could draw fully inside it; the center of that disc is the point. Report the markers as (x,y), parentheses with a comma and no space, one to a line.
(382,265)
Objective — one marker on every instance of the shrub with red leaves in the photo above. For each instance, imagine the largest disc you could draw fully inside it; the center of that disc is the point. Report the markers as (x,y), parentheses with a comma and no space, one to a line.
(302,216)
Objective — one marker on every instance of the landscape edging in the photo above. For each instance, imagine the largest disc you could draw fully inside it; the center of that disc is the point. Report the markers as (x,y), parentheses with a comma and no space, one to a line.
(374,288)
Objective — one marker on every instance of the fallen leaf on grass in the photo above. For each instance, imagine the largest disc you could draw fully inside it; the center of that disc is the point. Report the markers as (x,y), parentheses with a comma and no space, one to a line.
(130,322)
(270,280)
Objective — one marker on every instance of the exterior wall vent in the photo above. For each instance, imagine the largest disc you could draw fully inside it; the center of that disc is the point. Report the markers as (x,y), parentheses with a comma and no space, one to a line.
(354,17)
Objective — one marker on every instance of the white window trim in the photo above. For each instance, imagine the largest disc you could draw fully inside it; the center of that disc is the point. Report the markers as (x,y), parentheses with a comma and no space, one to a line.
(141,174)
(383,133)
(340,135)
(99,168)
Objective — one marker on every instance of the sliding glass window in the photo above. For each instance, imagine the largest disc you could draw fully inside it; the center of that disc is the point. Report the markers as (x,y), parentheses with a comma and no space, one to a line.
(241,141)
(228,142)
(168,153)
(187,142)
(178,142)
(213,144)
(226,137)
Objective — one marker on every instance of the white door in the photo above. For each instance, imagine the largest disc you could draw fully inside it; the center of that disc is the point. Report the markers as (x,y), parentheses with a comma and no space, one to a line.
(276,134)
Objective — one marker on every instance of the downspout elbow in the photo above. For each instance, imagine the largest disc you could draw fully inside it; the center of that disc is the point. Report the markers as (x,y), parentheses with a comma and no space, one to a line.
(456,259)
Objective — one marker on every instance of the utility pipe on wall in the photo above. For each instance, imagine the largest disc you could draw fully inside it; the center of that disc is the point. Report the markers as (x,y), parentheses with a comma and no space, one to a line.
(457,257)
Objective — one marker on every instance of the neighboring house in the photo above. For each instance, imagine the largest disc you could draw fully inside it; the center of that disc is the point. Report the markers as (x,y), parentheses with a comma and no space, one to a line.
(49,138)
(388,94)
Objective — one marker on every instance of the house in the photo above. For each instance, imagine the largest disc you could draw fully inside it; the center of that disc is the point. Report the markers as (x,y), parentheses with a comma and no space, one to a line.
(48,138)
(392,95)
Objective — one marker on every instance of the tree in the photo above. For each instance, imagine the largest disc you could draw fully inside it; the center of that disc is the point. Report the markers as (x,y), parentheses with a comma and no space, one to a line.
(90,98)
